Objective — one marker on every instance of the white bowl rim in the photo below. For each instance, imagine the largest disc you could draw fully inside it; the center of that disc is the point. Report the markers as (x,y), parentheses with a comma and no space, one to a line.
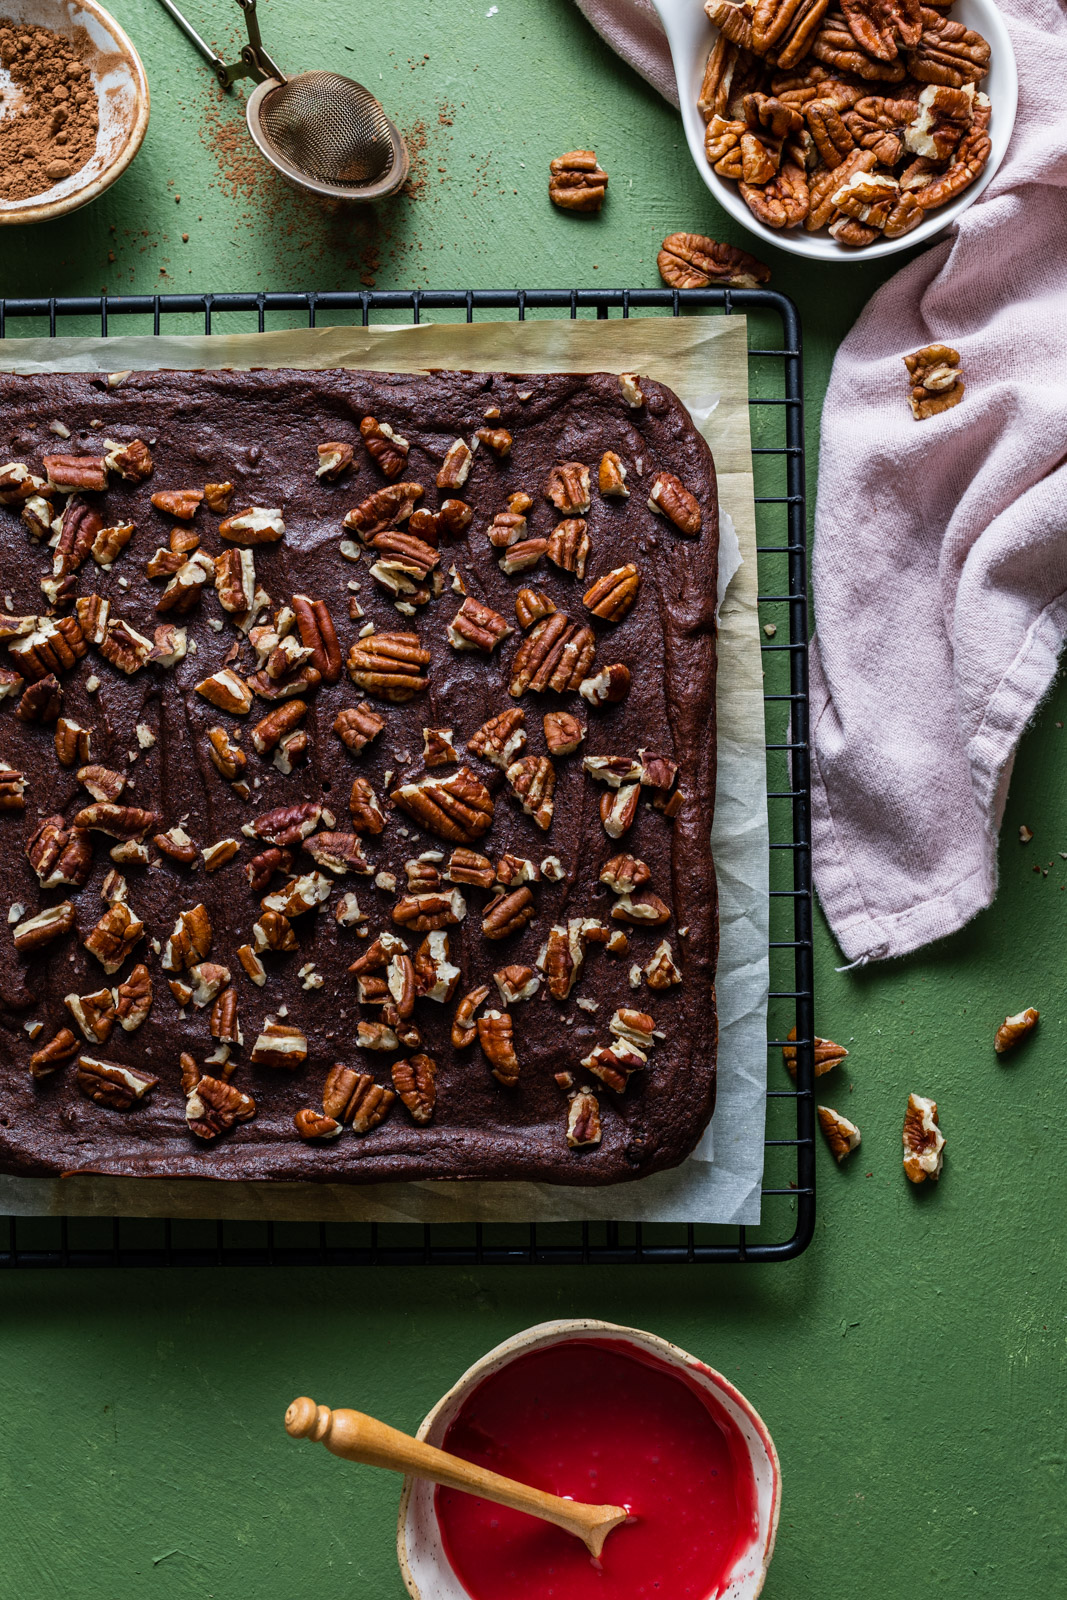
(691,34)
(43,212)
(542,1334)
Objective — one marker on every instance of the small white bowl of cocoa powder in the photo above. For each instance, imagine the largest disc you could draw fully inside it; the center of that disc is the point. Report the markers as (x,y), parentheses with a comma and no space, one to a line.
(73,106)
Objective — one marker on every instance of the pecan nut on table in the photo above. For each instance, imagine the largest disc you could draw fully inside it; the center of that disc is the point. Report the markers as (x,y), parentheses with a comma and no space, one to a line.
(859,122)
(356,761)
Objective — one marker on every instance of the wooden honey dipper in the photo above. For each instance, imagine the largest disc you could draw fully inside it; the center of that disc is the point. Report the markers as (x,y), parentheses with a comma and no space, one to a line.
(356,1437)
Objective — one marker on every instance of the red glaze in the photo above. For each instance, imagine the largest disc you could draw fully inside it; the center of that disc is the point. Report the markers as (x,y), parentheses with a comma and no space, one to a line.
(600,1421)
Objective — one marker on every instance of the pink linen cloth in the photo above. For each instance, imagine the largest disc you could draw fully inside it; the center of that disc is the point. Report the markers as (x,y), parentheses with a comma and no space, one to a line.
(940,560)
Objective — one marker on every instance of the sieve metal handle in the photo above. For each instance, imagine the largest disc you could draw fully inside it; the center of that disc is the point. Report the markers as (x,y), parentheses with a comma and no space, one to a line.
(254,63)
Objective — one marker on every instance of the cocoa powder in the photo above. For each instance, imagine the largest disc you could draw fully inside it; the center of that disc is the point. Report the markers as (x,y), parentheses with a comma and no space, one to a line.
(48,121)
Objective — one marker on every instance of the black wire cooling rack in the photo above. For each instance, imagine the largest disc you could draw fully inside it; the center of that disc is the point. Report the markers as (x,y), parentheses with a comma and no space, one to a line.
(777,421)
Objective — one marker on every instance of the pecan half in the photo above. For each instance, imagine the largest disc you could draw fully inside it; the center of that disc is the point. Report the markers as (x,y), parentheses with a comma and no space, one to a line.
(937,380)
(836,45)
(669,497)
(501,738)
(387,449)
(880,27)
(369,1105)
(254,525)
(947,52)
(41,701)
(533,780)
(458,807)
(824,185)
(357,727)
(496,1038)
(384,509)
(467,866)
(612,595)
(568,545)
(339,853)
(367,816)
(841,1135)
(509,914)
(576,182)
(523,556)
(556,654)
(335,458)
(583,1121)
(312,1127)
(214,1106)
(783,202)
(33,933)
(625,873)
(108,1084)
(567,486)
(693,261)
(180,503)
(124,647)
(119,822)
(72,473)
(607,687)
(425,913)
(477,627)
(47,645)
(924,1143)
(133,999)
(60,855)
(967,165)
(415,1081)
(59,1049)
(387,664)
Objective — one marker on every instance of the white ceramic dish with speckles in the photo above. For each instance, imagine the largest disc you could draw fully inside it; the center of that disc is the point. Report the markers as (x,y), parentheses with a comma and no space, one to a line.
(121,99)
(691,36)
(424,1565)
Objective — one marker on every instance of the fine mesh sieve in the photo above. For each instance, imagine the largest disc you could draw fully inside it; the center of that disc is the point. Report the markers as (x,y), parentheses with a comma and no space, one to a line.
(322,132)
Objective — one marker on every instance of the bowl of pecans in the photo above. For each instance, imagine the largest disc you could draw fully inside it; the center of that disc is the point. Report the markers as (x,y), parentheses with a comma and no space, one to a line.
(73,106)
(843,134)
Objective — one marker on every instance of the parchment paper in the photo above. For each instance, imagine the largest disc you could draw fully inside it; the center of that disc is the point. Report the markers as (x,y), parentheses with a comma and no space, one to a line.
(705,361)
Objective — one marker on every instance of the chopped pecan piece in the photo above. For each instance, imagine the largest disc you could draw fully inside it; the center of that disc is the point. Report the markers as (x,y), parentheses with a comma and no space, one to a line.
(618,810)
(827,1054)
(437,747)
(124,647)
(415,1081)
(176,845)
(496,1037)
(12,789)
(276,724)
(636,1027)
(563,955)
(94,1014)
(531,606)
(456,466)
(477,627)
(119,822)
(18,484)
(169,646)
(563,733)
(611,478)
(424,913)
(924,1143)
(338,853)
(227,757)
(311,1126)
(649,911)
(533,780)
(11,683)
(110,543)
(357,727)
(693,261)
(496,440)
(467,866)
(190,941)
(214,1106)
(114,936)
(369,1104)
(376,1035)
(937,380)
(387,664)
(615,1064)
(109,1084)
(335,458)
(576,182)
(568,545)
(384,509)
(367,816)
(33,933)
(274,932)
(54,1054)
(607,687)
(583,1121)
(133,999)
(252,965)
(235,580)
(217,497)
(501,738)
(297,896)
(254,525)
(516,983)
(223,1024)
(841,1135)
(225,690)
(567,486)
(70,474)
(279,1045)
(458,807)
(180,503)
(660,971)
(522,556)
(625,873)
(262,867)
(386,449)
(1012,1029)
(318,636)
(464,1027)
(509,914)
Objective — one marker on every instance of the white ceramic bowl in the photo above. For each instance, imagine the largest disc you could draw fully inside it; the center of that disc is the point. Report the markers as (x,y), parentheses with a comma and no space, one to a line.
(425,1566)
(121,99)
(691,37)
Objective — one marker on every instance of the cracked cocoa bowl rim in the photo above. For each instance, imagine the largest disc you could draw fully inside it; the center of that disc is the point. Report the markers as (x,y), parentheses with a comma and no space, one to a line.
(424,1565)
(691,36)
(122,100)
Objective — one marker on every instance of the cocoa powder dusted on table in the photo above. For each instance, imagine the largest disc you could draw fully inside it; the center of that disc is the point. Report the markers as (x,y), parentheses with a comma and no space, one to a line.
(48,119)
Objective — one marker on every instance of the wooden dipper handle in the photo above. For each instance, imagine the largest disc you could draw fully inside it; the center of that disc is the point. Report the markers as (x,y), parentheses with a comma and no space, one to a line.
(357,1437)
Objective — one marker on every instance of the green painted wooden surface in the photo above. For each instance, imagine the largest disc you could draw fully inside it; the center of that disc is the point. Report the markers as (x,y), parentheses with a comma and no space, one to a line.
(911,1365)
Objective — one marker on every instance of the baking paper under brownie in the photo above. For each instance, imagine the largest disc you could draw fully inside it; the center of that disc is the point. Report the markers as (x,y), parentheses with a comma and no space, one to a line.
(530,906)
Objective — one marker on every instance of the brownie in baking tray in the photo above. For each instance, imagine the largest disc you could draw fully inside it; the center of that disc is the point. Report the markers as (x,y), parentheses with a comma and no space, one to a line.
(358,760)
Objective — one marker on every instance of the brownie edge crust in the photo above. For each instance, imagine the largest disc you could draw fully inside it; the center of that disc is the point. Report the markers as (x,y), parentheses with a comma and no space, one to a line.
(241,611)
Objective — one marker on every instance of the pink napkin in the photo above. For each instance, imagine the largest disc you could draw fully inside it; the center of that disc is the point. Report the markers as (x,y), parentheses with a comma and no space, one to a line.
(940,563)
